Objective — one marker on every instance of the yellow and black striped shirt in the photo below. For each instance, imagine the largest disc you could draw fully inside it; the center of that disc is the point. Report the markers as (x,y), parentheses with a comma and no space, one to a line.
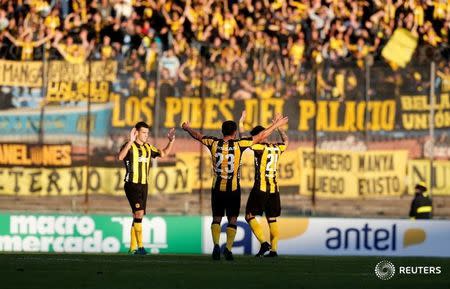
(266,163)
(137,162)
(226,161)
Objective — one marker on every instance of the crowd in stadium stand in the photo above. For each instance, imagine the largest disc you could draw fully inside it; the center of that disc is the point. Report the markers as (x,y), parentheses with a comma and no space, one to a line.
(252,47)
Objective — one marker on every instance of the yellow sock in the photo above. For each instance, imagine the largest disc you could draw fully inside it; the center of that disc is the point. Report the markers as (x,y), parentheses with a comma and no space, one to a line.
(257,230)
(231,233)
(274,235)
(138,233)
(133,242)
(215,231)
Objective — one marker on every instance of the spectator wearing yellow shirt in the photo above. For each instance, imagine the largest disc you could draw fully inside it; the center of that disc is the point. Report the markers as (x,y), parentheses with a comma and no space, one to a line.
(53,21)
(389,9)
(430,35)
(40,6)
(360,50)
(229,27)
(151,56)
(441,9)
(297,50)
(106,50)
(218,87)
(138,85)
(176,22)
(180,44)
(419,13)
(27,44)
(266,91)
(444,75)
(74,53)
(217,17)
(337,45)
(80,7)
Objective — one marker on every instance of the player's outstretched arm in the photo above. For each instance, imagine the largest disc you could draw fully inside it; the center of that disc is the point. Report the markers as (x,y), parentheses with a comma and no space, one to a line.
(241,124)
(171,136)
(124,151)
(193,133)
(281,132)
(283,136)
(277,122)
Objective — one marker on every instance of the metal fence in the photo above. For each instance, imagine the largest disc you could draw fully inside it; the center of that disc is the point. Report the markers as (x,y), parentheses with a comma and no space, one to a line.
(61,124)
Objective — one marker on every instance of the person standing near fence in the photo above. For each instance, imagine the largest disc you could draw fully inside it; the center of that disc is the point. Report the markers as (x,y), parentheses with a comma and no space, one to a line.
(421,206)
(136,154)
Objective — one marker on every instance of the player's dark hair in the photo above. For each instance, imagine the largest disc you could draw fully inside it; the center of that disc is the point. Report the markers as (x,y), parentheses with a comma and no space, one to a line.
(256,130)
(229,127)
(141,124)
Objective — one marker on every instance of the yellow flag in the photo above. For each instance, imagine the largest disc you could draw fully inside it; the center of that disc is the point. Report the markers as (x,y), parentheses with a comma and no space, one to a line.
(400,48)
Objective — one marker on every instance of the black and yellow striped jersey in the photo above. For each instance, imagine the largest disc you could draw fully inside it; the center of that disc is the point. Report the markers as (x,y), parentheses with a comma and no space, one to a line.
(266,163)
(137,162)
(226,161)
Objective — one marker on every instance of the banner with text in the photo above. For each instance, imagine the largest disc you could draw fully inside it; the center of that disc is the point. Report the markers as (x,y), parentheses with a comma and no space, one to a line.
(411,113)
(349,174)
(58,124)
(97,233)
(420,170)
(336,236)
(16,154)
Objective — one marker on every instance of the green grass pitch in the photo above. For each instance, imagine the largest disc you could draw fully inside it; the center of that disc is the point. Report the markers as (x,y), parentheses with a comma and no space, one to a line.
(188,271)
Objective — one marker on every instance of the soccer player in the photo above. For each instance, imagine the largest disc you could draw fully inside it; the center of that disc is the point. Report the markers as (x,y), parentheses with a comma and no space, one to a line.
(136,154)
(225,193)
(265,196)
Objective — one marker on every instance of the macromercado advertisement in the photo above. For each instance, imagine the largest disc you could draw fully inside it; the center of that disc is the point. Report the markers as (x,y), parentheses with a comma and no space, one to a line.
(97,233)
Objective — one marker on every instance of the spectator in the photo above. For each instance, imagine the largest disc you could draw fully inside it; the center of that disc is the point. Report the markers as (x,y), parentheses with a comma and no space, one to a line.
(255,44)
(170,62)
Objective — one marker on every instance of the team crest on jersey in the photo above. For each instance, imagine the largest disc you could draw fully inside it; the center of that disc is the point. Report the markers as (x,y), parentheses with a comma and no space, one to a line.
(137,206)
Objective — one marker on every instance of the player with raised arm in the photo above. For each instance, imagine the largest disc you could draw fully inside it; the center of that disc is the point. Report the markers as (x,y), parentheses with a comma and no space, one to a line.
(265,196)
(226,155)
(136,154)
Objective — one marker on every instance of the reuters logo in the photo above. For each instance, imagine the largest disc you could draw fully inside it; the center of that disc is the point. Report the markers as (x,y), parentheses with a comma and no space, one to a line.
(385,270)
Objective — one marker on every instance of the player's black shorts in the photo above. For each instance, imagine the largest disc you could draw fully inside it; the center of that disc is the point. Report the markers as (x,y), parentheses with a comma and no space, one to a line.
(225,203)
(136,195)
(259,202)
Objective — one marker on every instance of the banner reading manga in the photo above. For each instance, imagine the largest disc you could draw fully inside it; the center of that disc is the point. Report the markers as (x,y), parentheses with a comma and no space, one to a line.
(18,73)
(30,73)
